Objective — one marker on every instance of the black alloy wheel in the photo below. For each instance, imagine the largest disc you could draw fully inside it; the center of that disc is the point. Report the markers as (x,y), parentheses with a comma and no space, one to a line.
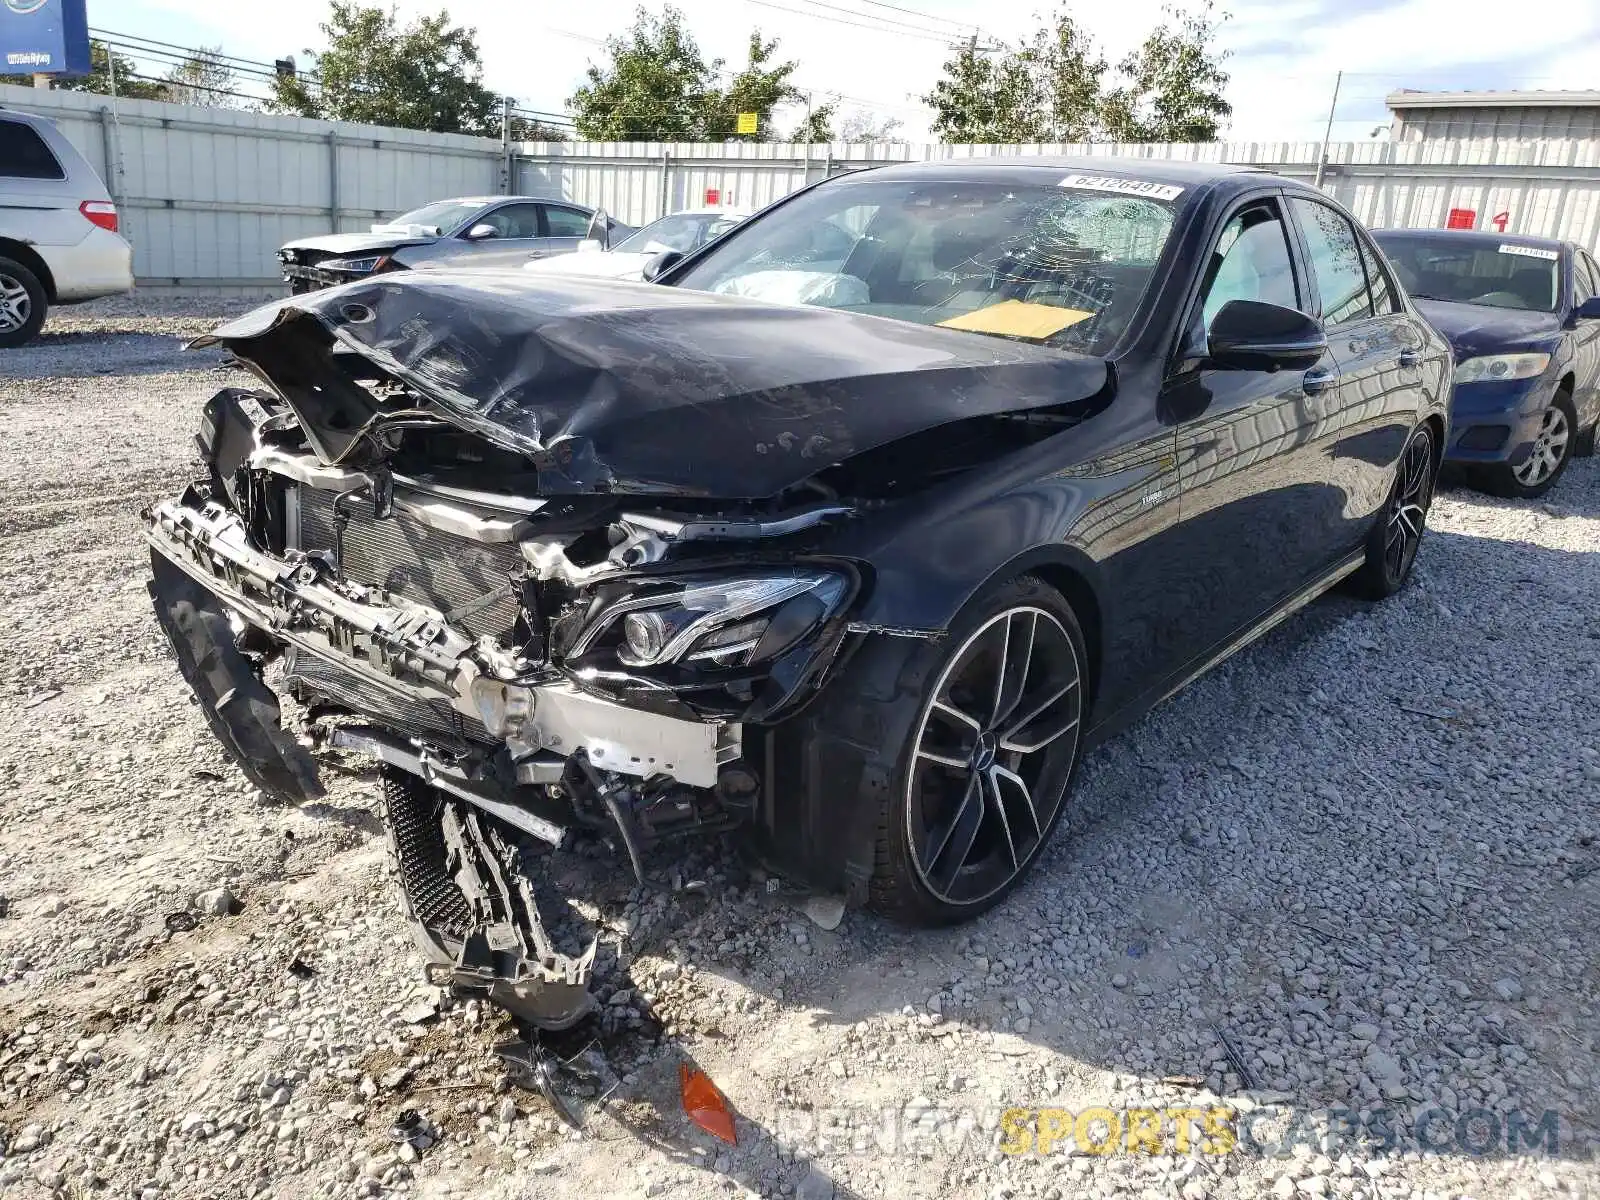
(1393,544)
(991,757)
(1408,508)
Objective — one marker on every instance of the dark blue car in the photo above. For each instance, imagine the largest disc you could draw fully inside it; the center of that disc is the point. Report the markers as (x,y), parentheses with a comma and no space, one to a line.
(1523,317)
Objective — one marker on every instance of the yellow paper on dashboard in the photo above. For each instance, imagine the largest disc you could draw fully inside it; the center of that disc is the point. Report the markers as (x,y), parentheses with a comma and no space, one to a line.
(1018,318)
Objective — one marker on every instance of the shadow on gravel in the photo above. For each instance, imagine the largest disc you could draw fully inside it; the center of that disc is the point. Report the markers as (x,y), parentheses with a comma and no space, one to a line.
(1345,889)
(91,355)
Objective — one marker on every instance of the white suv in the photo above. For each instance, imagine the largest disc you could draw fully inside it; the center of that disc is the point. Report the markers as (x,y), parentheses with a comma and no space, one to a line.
(58,228)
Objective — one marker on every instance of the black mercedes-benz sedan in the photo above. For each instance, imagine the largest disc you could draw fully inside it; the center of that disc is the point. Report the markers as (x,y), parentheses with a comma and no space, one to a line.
(848,535)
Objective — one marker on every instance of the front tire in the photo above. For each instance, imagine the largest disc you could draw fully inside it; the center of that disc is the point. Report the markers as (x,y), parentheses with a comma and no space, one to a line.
(982,779)
(1553,449)
(1393,543)
(22,304)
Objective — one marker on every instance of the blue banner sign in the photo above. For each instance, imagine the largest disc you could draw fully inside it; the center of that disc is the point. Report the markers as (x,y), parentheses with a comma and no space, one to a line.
(44,37)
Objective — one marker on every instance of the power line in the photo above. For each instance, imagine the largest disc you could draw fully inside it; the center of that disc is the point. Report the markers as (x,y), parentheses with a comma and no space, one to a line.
(887,22)
(189,87)
(942,39)
(156,48)
(926,16)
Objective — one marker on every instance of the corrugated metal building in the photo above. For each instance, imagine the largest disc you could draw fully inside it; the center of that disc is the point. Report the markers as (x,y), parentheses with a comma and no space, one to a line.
(1427,116)
(208,195)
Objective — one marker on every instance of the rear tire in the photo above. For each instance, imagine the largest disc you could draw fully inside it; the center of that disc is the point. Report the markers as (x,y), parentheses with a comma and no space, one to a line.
(1552,450)
(23,304)
(1393,543)
(995,713)
(1586,441)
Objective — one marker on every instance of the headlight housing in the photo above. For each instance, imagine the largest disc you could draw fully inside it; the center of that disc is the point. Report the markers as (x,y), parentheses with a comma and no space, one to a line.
(357,266)
(731,622)
(1501,368)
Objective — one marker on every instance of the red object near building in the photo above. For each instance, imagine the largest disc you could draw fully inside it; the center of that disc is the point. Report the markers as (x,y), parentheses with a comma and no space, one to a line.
(713,197)
(1500,219)
(1461,218)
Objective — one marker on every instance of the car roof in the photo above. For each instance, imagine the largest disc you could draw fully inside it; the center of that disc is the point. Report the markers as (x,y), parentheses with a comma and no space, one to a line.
(1019,168)
(27,118)
(506,199)
(1478,235)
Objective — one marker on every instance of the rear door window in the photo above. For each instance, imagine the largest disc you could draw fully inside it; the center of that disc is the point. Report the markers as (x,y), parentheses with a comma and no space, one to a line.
(24,155)
(1588,277)
(566,222)
(1335,261)
(514,220)
(1385,296)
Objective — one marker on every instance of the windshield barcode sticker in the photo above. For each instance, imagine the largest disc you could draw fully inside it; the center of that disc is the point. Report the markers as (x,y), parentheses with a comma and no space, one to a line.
(1529,251)
(1123,187)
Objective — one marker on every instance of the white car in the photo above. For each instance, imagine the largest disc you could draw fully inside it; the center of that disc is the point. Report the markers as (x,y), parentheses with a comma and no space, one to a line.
(58,228)
(679,233)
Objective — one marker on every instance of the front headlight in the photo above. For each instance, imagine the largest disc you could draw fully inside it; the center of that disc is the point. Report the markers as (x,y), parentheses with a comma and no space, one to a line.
(1500,368)
(728,623)
(356,266)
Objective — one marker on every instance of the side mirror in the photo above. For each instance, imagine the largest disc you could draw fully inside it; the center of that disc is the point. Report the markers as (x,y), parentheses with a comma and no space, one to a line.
(599,229)
(591,245)
(1250,335)
(658,265)
(1589,310)
(478,232)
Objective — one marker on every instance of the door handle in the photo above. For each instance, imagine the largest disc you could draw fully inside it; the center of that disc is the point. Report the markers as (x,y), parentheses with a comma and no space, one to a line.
(1410,358)
(1319,381)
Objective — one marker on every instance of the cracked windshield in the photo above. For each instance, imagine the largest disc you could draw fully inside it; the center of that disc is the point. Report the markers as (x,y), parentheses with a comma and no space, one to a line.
(1060,265)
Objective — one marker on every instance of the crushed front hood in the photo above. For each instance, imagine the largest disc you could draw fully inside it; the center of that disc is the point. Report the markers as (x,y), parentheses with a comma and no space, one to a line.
(354,243)
(627,387)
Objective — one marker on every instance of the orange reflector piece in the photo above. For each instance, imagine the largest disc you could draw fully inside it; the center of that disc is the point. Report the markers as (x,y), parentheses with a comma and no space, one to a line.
(705,1105)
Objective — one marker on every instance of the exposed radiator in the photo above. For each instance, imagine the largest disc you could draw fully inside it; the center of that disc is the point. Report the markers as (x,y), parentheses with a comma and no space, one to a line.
(470,582)
(437,723)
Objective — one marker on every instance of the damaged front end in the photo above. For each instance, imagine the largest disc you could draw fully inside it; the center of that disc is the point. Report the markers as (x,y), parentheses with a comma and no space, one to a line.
(498,544)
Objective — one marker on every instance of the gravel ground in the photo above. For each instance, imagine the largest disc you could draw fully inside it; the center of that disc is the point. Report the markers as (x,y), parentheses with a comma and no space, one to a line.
(1353,869)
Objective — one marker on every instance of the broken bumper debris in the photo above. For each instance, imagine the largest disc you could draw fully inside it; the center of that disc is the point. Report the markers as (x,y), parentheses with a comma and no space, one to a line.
(482,668)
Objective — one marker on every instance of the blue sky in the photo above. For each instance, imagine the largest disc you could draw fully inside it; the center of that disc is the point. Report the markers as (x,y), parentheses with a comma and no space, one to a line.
(1285,53)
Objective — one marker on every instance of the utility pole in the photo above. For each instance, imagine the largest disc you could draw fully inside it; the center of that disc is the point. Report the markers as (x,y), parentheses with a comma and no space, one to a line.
(805,177)
(507,163)
(1322,155)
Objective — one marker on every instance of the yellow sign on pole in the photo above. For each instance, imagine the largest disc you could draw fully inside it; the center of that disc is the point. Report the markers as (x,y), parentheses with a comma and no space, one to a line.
(749,122)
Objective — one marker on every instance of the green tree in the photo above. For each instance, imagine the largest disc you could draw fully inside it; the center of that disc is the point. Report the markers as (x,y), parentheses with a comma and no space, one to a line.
(1057,87)
(989,96)
(816,125)
(659,85)
(868,127)
(425,75)
(1067,71)
(203,78)
(529,129)
(98,79)
(759,88)
(1173,83)
(655,86)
